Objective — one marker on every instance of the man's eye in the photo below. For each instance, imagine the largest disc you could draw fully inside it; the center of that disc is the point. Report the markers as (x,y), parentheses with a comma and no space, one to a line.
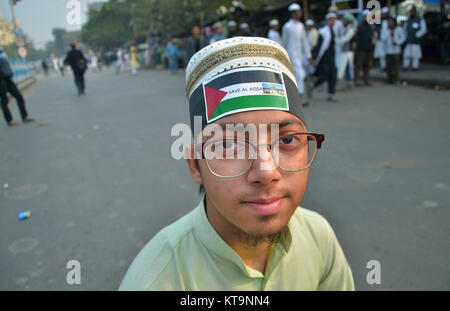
(288,140)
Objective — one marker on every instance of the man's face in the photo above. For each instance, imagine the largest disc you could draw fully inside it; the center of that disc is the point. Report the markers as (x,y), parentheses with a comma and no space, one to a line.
(331,22)
(297,14)
(219,30)
(260,202)
(196,31)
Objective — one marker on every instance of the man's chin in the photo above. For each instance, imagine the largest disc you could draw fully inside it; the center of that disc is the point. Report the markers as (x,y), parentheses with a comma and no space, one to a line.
(252,239)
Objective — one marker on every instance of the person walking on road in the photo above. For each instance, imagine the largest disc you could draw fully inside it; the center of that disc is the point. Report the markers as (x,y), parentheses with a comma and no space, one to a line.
(8,85)
(324,57)
(134,59)
(296,43)
(78,63)
(364,39)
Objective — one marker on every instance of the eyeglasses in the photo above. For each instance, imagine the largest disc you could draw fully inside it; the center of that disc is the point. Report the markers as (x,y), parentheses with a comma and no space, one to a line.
(233,157)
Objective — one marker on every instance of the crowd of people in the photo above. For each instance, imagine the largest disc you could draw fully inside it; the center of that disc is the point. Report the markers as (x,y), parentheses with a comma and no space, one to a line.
(344,46)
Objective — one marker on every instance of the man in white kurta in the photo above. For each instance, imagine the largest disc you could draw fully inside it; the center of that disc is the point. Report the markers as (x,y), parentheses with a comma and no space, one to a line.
(338,29)
(415,28)
(296,43)
(273,33)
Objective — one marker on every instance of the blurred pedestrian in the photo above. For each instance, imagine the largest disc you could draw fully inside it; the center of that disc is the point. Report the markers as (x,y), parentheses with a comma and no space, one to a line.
(78,63)
(296,43)
(195,43)
(7,85)
(172,53)
(245,30)
(232,29)
(134,59)
(274,33)
(364,39)
(338,29)
(380,49)
(393,37)
(324,57)
(44,65)
(415,28)
(218,33)
(117,58)
(312,33)
(346,63)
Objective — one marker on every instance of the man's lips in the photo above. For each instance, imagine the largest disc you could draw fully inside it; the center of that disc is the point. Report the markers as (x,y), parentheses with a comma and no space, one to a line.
(264,206)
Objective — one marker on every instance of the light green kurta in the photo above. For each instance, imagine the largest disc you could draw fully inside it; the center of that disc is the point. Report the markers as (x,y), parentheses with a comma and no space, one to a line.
(190,255)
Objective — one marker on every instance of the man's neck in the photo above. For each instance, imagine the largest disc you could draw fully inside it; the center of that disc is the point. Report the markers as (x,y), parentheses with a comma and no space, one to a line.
(254,254)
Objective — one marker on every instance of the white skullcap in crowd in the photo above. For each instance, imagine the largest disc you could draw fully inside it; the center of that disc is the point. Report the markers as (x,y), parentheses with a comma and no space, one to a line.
(330,15)
(385,10)
(309,22)
(231,24)
(294,7)
(273,22)
(244,25)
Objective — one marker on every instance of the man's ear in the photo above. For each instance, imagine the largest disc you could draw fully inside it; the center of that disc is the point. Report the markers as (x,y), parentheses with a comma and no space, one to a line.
(192,164)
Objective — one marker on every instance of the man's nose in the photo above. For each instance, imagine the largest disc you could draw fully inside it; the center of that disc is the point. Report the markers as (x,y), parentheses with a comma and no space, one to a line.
(264,169)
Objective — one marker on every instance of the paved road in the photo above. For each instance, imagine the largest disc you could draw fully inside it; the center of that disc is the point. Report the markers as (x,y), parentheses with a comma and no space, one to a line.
(97,176)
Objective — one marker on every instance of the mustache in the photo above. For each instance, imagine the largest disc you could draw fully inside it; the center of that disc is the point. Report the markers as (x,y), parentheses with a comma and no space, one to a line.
(251,196)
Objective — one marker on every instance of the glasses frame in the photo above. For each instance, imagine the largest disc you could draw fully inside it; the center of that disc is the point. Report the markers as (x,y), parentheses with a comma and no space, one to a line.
(319,137)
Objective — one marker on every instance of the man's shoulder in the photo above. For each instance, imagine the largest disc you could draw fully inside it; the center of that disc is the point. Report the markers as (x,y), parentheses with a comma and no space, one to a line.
(312,222)
(154,259)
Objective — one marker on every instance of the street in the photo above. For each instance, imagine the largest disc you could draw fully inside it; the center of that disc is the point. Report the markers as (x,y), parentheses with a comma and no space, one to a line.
(97,175)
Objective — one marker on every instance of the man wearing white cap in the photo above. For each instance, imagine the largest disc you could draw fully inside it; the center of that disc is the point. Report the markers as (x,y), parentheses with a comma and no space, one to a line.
(273,33)
(296,43)
(312,33)
(324,56)
(415,28)
(251,153)
(245,30)
(380,48)
(232,29)
(218,35)
(338,29)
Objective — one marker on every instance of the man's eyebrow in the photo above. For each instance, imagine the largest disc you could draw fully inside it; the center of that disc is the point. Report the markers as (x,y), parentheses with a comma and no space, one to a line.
(290,122)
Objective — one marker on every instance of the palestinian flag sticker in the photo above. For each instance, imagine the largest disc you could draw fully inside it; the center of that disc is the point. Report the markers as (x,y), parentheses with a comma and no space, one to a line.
(227,94)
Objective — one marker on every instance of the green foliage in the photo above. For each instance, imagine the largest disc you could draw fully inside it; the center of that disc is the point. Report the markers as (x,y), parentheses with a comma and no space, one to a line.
(123,21)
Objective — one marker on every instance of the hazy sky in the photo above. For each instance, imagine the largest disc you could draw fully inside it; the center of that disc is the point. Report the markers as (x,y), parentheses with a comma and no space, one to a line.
(38,17)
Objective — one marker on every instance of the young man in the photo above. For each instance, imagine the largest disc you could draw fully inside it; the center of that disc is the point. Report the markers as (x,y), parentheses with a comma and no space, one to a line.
(7,85)
(393,38)
(324,57)
(247,232)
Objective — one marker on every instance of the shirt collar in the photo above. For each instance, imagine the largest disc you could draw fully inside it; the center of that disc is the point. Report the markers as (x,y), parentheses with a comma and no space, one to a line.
(215,244)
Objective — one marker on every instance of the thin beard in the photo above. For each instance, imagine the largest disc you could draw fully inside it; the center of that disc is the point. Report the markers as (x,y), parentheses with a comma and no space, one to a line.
(253,241)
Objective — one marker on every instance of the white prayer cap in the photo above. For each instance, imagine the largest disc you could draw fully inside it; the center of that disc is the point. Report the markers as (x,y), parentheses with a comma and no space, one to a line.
(330,15)
(294,7)
(231,24)
(384,10)
(365,12)
(244,25)
(217,25)
(309,22)
(273,22)
(333,8)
